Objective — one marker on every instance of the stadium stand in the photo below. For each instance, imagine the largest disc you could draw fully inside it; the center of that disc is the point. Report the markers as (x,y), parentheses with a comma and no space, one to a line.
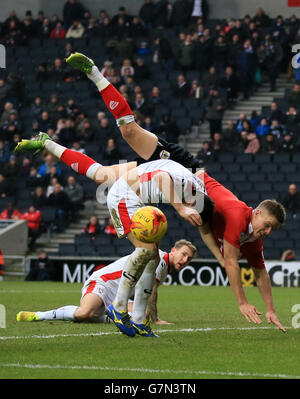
(32,72)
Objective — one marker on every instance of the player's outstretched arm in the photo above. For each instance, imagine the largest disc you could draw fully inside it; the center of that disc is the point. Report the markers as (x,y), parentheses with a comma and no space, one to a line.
(152,306)
(166,186)
(210,242)
(264,285)
(231,256)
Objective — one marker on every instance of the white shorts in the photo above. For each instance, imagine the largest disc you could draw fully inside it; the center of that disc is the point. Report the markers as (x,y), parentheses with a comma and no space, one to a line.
(106,290)
(122,202)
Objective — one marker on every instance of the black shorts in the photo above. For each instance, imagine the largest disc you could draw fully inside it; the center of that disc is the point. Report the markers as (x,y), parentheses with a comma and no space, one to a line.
(175,152)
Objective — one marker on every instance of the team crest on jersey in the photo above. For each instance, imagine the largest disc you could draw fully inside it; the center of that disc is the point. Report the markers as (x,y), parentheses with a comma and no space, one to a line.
(164,154)
(113,104)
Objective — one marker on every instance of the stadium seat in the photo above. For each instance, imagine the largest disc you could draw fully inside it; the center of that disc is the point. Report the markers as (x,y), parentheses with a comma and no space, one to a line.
(237,177)
(82,239)
(232,168)
(262,158)
(226,158)
(272,254)
(268,242)
(296,158)
(67,250)
(86,250)
(107,251)
(249,168)
(275,177)
(213,168)
(256,177)
(294,178)
(281,158)
(244,158)
(263,187)
(243,187)
(288,168)
(103,240)
(269,168)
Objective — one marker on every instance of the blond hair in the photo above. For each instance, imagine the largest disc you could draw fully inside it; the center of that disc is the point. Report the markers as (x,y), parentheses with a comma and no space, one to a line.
(275,209)
(180,243)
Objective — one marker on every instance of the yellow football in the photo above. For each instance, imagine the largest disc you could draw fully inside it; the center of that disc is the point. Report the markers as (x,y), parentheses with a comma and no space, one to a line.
(149,224)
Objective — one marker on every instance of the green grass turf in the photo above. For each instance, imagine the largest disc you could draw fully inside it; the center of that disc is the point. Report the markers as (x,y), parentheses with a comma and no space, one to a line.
(80,351)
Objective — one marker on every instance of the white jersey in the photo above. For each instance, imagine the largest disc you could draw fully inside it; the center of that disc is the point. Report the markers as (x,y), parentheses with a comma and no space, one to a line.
(189,188)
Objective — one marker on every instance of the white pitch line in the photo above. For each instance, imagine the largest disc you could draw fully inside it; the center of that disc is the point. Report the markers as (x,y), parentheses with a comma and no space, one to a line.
(158,371)
(157,331)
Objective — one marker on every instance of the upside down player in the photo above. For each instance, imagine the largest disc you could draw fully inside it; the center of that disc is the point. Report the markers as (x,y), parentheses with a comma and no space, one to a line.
(132,187)
(237,229)
(100,289)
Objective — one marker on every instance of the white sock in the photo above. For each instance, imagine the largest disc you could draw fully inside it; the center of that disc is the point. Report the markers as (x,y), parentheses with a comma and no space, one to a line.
(143,291)
(132,271)
(63,313)
(54,148)
(96,76)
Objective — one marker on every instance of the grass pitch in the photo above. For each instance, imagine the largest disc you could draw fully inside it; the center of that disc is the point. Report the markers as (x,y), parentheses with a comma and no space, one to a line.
(210,338)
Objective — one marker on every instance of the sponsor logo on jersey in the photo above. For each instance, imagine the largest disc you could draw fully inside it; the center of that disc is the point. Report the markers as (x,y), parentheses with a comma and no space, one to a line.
(113,104)
(116,220)
(164,154)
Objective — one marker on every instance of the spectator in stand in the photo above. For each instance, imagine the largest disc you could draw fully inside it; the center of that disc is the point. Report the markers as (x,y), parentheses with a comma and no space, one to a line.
(59,32)
(230,135)
(168,128)
(263,128)
(10,212)
(86,133)
(75,31)
(291,201)
(253,143)
(142,105)
(110,229)
(4,91)
(34,179)
(246,67)
(45,29)
(287,143)
(53,173)
(111,153)
(181,88)
(45,122)
(37,107)
(148,13)
(39,199)
(276,113)
(103,131)
(92,228)
(141,70)
(291,120)
(269,143)
(137,28)
(216,105)
(4,153)
(163,53)
(294,97)
(6,188)
(185,55)
(73,10)
(33,218)
(122,13)
(50,186)
(60,201)
(261,19)
(46,166)
(8,109)
(205,155)
(68,135)
(229,83)
(127,68)
(14,35)
(75,193)
(11,170)
(211,79)
(220,54)
(197,90)
(42,269)
(217,144)
(155,96)
(276,129)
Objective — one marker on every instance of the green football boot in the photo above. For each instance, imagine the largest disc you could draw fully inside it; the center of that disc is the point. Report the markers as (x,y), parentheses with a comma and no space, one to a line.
(36,143)
(81,62)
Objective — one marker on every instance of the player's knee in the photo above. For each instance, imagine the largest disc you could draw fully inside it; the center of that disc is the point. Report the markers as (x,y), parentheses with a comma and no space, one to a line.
(83,314)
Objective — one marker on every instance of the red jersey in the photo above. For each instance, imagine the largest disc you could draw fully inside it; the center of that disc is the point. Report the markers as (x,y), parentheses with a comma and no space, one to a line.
(232,222)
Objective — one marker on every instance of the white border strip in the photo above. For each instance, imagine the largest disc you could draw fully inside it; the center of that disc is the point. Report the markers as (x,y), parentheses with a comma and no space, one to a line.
(118,333)
(158,371)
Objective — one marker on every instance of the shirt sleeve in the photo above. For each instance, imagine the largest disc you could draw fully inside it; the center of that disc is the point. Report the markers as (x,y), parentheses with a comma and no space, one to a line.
(235,223)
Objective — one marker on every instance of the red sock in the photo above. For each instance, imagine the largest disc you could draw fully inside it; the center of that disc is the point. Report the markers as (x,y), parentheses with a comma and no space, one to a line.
(115,102)
(79,162)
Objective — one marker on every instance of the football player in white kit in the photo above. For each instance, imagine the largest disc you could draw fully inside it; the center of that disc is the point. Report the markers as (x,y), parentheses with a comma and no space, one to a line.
(100,289)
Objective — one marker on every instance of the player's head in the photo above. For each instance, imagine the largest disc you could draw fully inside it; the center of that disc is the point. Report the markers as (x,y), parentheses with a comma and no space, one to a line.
(268,216)
(181,254)
(208,209)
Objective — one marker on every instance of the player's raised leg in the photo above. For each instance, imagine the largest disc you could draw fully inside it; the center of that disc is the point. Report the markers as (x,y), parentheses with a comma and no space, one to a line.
(140,140)
(77,161)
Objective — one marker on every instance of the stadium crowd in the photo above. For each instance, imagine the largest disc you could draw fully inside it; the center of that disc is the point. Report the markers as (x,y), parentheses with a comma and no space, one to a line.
(174,65)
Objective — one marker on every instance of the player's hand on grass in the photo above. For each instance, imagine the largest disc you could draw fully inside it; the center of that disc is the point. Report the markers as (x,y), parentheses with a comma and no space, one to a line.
(251,313)
(162,322)
(190,215)
(272,318)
